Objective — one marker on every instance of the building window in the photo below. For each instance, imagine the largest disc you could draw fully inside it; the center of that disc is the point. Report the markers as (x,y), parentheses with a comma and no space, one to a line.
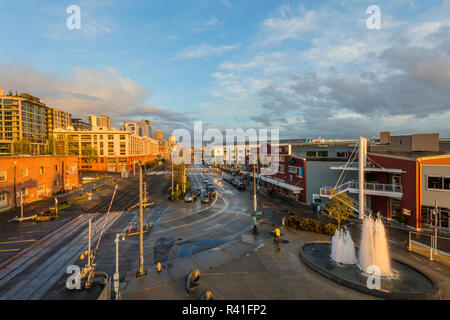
(56,184)
(56,168)
(293,170)
(434,182)
(446,183)
(24,172)
(300,172)
(281,169)
(25,191)
(41,170)
(2,176)
(41,187)
(323,154)
(110,137)
(311,153)
(341,154)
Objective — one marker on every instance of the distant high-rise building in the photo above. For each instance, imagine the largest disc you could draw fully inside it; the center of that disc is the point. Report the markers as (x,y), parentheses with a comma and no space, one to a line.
(158,135)
(144,128)
(80,125)
(130,127)
(99,122)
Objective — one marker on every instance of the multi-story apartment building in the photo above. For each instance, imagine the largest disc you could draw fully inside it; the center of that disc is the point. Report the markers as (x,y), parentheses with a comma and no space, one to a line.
(22,117)
(106,150)
(58,119)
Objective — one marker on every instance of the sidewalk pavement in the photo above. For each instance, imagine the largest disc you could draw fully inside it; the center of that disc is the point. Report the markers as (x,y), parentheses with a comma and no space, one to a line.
(248,267)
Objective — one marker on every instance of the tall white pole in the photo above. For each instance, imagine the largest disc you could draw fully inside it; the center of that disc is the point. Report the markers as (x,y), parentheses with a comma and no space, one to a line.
(362,161)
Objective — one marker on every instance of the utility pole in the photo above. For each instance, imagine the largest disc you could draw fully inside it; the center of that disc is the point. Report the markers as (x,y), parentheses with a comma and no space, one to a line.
(89,243)
(184,178)
(15,191)
(362,163)
(255,203)
(171,160)
(21,203)
(435,212)
(141,226)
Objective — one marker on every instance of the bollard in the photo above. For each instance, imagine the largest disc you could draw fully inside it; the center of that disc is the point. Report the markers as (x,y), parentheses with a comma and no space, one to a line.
(192,279)
(206,295)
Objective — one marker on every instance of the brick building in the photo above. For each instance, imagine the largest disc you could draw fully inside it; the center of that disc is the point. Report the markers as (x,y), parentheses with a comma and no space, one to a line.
(37,177)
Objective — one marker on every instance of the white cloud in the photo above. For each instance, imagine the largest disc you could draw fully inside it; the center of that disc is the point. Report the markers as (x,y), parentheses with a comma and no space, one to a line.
(205,50)
(287,24)
(87,91)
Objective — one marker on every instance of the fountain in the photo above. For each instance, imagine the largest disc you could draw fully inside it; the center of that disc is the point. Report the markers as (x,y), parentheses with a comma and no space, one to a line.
(338,262)
(342,247)
(374,247)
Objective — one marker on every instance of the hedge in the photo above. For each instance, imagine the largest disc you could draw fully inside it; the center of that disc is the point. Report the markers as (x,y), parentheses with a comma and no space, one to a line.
(311,225)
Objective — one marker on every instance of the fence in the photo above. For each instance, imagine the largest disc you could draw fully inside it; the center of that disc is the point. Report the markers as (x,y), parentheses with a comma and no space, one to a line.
(428,245)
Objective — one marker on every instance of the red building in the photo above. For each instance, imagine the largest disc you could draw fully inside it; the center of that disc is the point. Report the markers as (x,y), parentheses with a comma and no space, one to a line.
(424,181)
(35,177)
(289,181)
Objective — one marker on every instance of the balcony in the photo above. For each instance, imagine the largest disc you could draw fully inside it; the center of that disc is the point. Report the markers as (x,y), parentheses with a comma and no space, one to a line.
(370,188)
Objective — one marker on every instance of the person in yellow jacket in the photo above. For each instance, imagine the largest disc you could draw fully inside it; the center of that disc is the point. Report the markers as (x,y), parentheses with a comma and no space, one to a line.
(277,234)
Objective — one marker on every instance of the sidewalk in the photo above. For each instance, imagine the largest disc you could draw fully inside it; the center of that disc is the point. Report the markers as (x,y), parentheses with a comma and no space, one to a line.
(41,205)
(250,267)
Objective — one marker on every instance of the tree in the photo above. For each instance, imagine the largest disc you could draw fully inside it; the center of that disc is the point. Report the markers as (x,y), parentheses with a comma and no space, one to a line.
(88,153)
(22,146)
(339,208)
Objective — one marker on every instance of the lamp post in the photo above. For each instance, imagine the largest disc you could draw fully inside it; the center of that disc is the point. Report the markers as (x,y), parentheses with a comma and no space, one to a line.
(141,272)
(15,191)
(116,274)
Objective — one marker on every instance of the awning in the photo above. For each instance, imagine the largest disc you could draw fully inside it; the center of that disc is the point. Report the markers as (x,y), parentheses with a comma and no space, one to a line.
(281,184)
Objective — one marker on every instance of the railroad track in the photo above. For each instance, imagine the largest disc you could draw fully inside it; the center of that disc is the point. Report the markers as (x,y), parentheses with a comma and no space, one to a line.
(34,284)
(123,200)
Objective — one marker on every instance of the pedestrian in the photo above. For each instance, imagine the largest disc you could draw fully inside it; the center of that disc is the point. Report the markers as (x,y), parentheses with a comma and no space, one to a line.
(277,235)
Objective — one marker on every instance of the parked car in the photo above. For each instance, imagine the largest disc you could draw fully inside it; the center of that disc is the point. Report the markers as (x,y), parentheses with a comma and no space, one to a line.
(189,197)
(205,181)
(204,198)
(197,192)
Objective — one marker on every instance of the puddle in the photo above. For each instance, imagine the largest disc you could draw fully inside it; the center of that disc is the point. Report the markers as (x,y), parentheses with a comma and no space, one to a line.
(193,247)
(162,249)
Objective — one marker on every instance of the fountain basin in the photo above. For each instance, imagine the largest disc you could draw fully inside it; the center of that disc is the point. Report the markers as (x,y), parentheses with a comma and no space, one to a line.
(408,283)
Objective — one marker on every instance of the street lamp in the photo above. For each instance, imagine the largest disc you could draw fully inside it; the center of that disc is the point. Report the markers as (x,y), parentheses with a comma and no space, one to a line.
(116,274)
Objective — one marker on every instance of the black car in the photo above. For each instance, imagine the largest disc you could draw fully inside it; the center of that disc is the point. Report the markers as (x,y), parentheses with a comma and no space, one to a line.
(197,192)
(204,198)
(211,191)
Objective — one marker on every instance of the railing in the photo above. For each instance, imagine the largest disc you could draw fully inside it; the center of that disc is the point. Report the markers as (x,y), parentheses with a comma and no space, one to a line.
(428,245)
(369,186)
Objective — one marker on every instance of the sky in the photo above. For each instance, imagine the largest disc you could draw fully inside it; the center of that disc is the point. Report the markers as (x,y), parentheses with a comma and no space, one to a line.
(309,68)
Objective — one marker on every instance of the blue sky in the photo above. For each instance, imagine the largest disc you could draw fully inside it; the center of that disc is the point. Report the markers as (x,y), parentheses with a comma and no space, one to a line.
(309,68)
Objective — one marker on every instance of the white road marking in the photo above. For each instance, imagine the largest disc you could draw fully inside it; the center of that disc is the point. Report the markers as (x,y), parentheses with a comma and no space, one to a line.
(212,227)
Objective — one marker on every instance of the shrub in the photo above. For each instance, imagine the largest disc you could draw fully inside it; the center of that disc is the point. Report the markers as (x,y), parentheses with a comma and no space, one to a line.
(310,225)
(329,229)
